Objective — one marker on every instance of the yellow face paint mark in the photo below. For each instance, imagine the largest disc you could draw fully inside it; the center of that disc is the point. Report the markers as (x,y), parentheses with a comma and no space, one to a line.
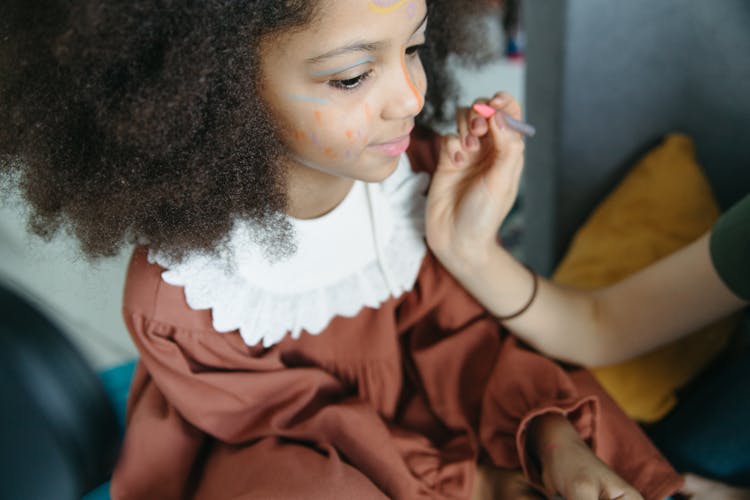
(329,152)
(411,85)
(368,111)
(300,135)
(318,117)
(385,6)
(349,134)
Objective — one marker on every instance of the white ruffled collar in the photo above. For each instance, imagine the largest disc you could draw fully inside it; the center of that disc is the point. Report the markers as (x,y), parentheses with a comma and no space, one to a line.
(370,247)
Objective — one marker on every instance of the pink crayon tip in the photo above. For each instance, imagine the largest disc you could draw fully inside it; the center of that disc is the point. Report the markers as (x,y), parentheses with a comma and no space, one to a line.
(484,110)
(517,125)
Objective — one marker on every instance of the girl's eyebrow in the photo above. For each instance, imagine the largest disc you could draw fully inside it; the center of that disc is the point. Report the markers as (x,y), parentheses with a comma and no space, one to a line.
(358,47)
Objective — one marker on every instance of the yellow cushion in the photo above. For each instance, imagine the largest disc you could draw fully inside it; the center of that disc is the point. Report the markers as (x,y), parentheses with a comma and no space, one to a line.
(662,204)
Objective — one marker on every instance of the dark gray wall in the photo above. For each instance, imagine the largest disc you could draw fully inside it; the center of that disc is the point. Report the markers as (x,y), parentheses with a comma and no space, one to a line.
(606,79)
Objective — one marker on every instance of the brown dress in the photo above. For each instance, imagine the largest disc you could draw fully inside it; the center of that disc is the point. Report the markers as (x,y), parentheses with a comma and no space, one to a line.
(399,402)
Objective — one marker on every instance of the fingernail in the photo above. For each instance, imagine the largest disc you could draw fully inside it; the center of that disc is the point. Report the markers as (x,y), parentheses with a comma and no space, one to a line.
(472,142)
(498,101)
(458,157)
(484,110)
(476,123)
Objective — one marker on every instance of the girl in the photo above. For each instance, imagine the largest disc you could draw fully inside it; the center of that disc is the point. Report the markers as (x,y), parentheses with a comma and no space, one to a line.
(297,338)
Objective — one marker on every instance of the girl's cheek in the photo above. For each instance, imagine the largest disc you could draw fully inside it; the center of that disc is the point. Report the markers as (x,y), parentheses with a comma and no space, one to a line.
(351,128)
(330,135)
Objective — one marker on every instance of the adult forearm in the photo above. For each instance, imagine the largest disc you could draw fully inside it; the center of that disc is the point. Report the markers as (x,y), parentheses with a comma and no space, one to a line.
(649,309)
(560,322)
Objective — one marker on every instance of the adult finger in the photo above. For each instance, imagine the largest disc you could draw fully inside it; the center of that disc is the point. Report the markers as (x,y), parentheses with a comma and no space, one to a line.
(503,173)
(447,175)
(505,102)
(455,152)
(477,122)
(462,121)
(507,142)
(469,141)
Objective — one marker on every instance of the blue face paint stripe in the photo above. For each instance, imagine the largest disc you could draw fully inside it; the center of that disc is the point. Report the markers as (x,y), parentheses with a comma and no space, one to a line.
(306,98)
(333,71)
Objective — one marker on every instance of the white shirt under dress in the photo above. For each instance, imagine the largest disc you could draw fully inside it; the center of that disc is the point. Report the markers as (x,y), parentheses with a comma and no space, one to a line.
(365,250)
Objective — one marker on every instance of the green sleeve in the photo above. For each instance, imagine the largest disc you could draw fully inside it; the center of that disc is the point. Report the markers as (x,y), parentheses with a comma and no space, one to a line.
(730,248)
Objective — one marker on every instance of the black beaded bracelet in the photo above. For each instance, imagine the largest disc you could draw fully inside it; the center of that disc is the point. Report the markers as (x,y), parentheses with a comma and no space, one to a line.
(535,286)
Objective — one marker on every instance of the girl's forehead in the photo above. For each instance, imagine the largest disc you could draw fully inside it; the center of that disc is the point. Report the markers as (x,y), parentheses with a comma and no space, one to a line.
(338,23)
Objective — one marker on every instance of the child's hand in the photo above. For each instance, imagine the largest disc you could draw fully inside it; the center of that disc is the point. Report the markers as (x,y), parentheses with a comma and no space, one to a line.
(575,473)
(475,184)
(569,468)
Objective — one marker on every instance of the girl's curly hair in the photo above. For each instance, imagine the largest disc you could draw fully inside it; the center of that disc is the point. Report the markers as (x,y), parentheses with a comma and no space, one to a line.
(139,120)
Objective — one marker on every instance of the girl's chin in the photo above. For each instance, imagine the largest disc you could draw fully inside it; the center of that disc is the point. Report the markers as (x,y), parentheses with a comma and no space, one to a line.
(366,167)
(381,171)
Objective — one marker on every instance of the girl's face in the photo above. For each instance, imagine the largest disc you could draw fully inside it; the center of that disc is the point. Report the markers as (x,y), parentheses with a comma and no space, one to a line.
(346,88)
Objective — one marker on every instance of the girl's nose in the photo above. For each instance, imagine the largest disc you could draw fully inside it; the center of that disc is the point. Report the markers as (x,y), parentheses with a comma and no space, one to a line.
(405,98)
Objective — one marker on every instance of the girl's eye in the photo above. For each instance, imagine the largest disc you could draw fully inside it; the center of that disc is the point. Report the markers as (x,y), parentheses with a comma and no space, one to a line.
(350,83)
(415,49)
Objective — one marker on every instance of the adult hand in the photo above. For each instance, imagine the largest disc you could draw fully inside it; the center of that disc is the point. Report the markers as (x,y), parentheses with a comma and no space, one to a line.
(475,184)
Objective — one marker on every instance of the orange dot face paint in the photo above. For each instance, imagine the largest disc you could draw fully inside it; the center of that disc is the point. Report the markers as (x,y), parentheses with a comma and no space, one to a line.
(313,138)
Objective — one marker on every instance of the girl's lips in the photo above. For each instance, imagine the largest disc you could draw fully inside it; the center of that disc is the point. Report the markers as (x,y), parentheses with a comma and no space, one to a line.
(394,148)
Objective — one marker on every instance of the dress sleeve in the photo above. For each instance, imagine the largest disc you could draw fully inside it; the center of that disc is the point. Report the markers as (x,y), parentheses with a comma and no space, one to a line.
(225,389)
(195,388)
(478,378)
(525,385)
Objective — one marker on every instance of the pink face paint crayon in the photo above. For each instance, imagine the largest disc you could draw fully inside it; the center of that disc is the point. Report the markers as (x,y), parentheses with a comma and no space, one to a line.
(517,125)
